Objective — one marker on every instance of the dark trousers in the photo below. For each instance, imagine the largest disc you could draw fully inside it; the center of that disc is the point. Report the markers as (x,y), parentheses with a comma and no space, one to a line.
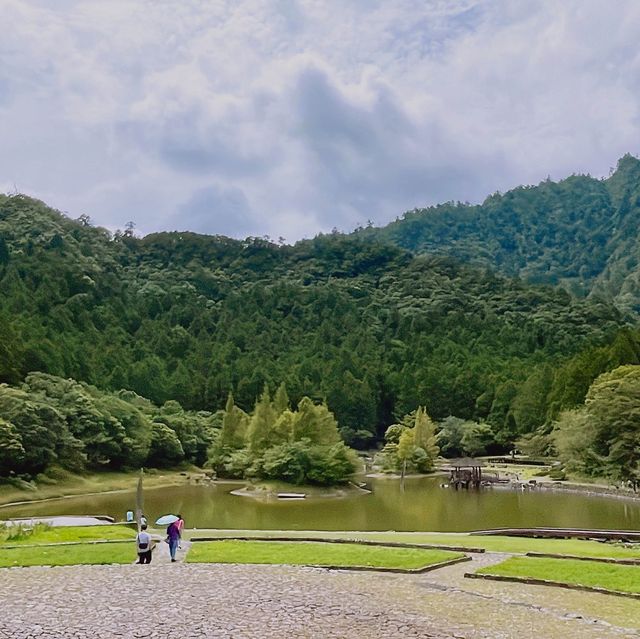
(144,557)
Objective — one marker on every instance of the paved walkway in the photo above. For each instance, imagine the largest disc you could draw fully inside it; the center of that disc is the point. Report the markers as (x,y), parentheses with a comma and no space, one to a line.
(161,551)
(167,600)
(66,520)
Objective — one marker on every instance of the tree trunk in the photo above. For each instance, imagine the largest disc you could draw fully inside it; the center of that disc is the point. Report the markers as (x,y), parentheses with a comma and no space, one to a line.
(139,502)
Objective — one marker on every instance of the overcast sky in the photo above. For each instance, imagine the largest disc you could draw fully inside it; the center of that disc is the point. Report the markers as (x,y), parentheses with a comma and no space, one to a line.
(290,117)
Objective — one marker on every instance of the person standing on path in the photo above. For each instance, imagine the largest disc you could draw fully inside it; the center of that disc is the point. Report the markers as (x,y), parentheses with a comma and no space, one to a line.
(144,545)
(173,539)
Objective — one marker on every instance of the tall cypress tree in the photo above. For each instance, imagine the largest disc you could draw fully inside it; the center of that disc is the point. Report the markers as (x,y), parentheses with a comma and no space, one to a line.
(281,400)
(232,433)
(261,424)
(424,436)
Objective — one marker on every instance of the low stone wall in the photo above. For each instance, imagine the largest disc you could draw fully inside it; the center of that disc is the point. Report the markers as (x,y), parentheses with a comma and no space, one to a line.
(606,560)
(362,542)
(557,584)
(401,571)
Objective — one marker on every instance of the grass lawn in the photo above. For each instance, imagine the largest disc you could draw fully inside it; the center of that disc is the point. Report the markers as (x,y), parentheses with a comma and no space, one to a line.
(316,554)
(58,483)
(122,553)
(583,573)
(488,542)
(524,471)
(54,535)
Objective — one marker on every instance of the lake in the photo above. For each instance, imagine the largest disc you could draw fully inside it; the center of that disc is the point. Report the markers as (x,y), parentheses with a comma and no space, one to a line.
(422,506)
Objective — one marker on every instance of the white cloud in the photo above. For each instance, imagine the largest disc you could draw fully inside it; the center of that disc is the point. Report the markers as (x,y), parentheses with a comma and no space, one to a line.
(290,117)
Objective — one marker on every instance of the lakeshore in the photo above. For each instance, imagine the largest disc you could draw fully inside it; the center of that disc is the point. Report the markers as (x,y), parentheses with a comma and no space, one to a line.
(64,485)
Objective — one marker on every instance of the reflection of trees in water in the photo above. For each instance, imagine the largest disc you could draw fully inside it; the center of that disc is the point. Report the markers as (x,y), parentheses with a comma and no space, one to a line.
(423,506)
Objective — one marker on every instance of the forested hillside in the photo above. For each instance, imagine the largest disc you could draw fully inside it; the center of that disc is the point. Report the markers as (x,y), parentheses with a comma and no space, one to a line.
(581,233)
(351,320)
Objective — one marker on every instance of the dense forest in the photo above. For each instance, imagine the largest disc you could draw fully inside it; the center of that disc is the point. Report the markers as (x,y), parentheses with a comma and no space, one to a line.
(496,319)
(581,233)
(49,420)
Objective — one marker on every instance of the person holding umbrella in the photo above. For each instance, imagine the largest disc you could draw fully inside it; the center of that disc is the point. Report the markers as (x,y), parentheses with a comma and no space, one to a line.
(173,536)
(173,533)
(180,524)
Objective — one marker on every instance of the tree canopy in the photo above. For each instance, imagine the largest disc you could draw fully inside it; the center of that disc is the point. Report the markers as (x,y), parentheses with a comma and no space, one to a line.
(500,315)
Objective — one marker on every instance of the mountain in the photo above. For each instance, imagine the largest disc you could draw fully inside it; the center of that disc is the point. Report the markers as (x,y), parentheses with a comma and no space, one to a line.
(580,233)
(358,321)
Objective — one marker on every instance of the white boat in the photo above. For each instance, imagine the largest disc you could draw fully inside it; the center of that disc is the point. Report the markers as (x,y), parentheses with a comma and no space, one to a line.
(291,495)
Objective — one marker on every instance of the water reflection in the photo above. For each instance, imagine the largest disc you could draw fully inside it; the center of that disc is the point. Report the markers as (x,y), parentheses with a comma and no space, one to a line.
(422,506)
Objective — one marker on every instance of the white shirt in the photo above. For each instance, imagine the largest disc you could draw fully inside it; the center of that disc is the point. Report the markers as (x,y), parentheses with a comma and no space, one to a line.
(143,538)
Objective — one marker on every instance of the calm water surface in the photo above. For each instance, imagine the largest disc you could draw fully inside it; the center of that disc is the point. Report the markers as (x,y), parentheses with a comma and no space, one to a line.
(423,506)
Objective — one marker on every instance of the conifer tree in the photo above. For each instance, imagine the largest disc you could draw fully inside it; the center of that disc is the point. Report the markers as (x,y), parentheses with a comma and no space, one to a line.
(232,433)
(283,427)
(405,451)
(425,437)
(281,400)
(305,420)
(326,425)
(262,421)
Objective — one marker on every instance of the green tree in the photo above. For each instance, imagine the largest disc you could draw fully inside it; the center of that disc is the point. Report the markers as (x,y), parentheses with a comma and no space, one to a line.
(234,426)
(11,450)
(450,436)
(281,401)
(477,438)
(260,432)
(166,449)
(42,430)
(574,437)
(603,437)
(425,439)
(406,448)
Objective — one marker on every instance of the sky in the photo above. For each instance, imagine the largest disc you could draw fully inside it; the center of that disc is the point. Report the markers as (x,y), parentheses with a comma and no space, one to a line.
(292,117)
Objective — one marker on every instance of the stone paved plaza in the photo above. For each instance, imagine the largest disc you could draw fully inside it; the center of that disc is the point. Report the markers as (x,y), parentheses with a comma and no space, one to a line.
(188,601)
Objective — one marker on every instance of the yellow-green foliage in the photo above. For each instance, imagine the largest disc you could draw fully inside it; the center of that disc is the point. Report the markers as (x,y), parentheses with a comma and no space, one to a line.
(301,446)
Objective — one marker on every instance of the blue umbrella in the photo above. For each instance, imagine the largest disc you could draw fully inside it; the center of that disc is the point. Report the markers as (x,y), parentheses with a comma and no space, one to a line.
(165,520)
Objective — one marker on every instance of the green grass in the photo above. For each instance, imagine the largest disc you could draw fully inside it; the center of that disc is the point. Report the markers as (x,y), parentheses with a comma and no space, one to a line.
(488,542)
(119,553)
(316,554)
(524,471)
(576,572)
(59,483)
(60,534)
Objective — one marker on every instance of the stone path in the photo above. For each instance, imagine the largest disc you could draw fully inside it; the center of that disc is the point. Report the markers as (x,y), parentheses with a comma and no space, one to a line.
(186,601)
(161,551)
